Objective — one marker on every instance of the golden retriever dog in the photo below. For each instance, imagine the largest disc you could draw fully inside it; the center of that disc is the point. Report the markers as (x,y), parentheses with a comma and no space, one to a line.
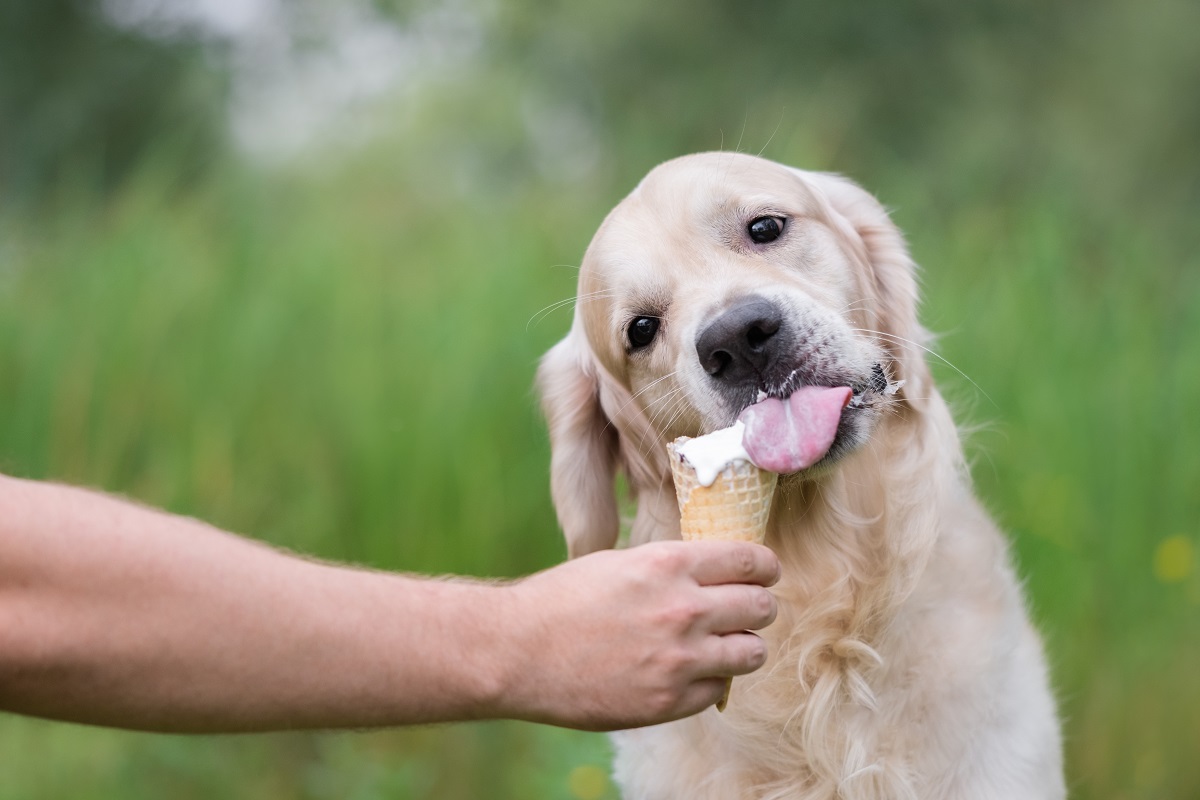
(903,664)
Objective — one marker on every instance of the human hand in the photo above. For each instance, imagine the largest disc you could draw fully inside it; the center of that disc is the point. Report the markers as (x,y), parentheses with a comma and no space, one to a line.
(625,638)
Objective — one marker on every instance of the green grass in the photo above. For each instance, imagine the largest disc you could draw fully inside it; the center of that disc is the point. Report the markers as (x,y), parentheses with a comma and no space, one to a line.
(343,364)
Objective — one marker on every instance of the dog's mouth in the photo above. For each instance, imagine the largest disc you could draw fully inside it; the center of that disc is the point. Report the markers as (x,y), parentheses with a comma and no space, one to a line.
(878,389)
(800,426)
(872,391)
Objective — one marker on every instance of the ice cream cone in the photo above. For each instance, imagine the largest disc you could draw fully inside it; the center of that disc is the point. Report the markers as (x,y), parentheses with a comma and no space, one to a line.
(734,508)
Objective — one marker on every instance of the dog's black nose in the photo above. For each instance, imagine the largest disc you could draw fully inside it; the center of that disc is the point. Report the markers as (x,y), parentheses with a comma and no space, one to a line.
(739,344)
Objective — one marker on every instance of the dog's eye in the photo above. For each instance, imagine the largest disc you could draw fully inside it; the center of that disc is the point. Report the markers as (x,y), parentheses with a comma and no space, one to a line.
(642,330)
(765,229)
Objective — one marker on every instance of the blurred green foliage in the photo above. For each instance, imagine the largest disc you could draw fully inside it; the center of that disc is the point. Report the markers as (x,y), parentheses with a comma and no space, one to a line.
(77,94)
(336,355)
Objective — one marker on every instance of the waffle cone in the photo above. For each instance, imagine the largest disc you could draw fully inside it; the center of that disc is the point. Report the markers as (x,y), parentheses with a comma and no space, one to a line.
(734,508)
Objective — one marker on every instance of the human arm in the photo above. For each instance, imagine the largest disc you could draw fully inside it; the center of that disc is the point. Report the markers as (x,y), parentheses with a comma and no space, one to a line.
(115,614)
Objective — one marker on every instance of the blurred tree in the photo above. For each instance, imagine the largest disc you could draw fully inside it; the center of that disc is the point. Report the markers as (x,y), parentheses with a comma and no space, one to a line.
(998,96)
(78,94)
(1088,92)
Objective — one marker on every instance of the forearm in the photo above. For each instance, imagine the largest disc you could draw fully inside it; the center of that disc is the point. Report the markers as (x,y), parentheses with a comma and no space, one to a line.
(115,614)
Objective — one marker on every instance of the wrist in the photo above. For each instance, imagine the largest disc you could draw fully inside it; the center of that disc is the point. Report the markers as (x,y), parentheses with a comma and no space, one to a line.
(509,655)
(491,647)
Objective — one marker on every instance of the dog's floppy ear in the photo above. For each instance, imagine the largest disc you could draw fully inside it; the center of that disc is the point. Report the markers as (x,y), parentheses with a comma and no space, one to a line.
(919,444)
(892,271)
(584,448)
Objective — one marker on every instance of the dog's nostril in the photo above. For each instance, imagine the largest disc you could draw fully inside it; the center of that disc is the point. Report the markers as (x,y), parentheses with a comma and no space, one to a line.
(716,362)
(759,333)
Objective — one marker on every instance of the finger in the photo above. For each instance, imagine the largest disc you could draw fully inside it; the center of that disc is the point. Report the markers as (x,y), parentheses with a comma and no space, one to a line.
(733,654)
(733,562)
(738,607)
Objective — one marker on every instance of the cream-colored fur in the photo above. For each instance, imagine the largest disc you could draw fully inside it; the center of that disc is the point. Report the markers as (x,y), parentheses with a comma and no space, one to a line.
(902,661)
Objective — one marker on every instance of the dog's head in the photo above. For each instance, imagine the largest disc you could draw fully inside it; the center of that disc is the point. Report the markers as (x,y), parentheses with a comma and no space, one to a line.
(720,280)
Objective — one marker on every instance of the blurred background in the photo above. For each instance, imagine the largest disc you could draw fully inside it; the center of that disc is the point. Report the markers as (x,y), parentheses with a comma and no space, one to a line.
(288,267)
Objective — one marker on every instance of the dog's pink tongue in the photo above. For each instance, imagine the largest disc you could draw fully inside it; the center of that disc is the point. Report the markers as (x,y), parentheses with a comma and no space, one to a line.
(786,436)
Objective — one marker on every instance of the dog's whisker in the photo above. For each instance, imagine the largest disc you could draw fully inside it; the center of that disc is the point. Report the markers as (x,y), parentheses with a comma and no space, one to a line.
(675,397)
(737,148)
(537,317)
(854,305)
(668,412)
(660,439)
(599,294)
(677,411)
(672,412)
(931,352)
(574,299)
(669,395)
(645,389)
(782,114)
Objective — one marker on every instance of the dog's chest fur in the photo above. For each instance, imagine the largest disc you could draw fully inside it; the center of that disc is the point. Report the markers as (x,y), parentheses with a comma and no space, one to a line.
(886,680)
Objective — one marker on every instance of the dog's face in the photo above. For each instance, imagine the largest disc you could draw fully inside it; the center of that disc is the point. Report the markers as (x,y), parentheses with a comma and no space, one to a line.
(721,280)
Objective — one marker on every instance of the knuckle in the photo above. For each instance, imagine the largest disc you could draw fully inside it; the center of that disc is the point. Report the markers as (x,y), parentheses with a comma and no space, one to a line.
(680,667)
(757,655)
(673,670)
(745,564)
(665,559)
(682,615)
(662,701)
(751,653)
(765,606)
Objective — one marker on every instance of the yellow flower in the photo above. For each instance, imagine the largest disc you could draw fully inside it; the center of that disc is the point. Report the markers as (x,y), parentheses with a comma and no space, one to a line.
(587,782)
(1173,559)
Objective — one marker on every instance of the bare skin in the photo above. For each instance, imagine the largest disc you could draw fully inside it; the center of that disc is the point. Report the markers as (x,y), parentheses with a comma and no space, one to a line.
(115,614)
